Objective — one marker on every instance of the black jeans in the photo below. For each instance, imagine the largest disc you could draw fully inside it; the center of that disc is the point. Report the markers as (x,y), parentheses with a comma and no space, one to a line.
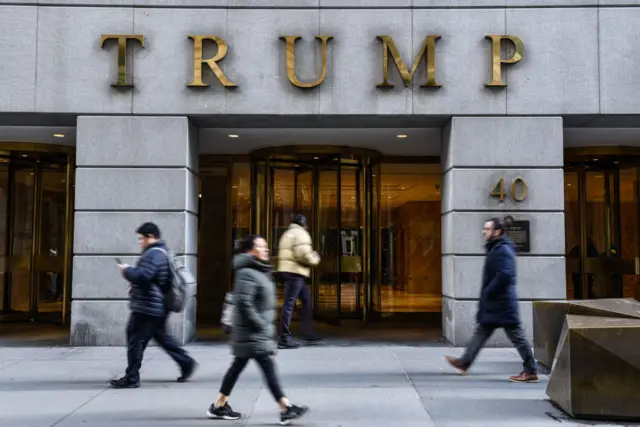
(268,370)
(140,329)
(295,287)
(515,334)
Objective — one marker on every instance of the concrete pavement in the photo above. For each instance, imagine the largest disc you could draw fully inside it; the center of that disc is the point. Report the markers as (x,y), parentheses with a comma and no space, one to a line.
(368,386)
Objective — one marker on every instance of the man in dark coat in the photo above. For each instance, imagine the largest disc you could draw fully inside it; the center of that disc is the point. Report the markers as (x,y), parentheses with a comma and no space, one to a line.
(498,307)
(150,280)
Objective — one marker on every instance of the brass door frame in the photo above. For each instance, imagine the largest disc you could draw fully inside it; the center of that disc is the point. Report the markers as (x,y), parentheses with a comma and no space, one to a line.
(12,151)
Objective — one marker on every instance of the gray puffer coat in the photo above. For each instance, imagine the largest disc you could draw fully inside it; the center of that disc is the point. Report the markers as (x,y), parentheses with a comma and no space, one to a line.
(253,330)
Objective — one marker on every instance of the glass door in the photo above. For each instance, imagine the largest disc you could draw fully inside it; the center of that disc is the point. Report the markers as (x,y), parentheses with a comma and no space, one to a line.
(34,213)
(280,204)
(333,190)
(326,280)
(602,247)
(20,243)
(49,262)
(351,235)
(303,189)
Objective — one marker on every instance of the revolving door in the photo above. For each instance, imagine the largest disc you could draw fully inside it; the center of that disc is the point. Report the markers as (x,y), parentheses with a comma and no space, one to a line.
(332,187)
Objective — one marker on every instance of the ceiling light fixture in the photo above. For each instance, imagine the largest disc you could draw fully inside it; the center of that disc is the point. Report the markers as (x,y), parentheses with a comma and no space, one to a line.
(234,136)
(401,136)
(58,135)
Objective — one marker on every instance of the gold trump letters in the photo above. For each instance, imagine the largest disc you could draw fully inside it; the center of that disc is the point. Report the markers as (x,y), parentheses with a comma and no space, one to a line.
(211,62)
(429,46)
(496,57)
(427,52)
(122,39)
(291,61)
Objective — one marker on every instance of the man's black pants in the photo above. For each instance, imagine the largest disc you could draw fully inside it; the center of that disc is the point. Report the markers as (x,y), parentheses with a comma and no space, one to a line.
(140,329)
(295,287)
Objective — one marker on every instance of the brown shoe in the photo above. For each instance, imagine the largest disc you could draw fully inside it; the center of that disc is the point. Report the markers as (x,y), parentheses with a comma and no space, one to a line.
(458,364)
(524,378)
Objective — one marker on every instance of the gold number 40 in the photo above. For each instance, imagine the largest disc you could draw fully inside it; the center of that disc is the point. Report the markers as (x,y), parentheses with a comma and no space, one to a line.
(518,196)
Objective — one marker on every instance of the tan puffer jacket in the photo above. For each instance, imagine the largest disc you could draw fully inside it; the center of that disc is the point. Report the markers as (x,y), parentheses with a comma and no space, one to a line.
(295,253)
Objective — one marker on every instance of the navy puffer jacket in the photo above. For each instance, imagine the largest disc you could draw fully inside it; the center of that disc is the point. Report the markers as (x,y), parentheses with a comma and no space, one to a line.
(498,300)
(150,280)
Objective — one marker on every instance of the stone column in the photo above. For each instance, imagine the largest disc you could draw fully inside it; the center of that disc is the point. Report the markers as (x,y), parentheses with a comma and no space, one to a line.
(129,170)
(477,152)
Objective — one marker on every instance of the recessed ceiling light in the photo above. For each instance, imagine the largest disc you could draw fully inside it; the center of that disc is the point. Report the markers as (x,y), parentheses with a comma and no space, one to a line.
(58,135)
(402,135)
(234,136)
(24,155)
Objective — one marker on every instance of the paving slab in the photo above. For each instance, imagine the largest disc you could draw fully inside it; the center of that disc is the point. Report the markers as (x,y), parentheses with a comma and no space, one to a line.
(487,412)
(18,353)
(358,386)
(357,407)
(41,407)
(165,407)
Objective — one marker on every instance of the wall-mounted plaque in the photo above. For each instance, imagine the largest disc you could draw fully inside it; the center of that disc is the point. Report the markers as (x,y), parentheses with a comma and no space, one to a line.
(519,232)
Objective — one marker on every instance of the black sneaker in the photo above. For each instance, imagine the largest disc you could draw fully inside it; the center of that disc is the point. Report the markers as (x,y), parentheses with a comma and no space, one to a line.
(124,382)
(293,413)
(288,345)
(188,372)
(222,413)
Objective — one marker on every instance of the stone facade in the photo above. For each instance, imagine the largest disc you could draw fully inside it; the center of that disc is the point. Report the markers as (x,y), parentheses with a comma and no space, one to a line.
(578,66)
(53,62)
(124,166)
(476,154)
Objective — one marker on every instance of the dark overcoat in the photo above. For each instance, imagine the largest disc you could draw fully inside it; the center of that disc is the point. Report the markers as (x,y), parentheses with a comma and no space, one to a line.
(254,302)
(498,299)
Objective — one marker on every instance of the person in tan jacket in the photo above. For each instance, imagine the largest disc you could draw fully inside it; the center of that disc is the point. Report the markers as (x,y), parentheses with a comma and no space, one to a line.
(296,257)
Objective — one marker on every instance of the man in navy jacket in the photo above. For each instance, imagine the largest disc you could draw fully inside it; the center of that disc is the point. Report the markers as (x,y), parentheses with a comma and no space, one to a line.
(498,307)
(150,280)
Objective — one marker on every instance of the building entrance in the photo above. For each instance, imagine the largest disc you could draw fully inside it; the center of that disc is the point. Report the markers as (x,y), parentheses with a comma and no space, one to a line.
(602,223)
(375,220)
(35,233)
(333,190)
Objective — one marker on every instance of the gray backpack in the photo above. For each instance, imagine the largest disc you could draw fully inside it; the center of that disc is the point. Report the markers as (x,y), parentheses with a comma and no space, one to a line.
(182,284)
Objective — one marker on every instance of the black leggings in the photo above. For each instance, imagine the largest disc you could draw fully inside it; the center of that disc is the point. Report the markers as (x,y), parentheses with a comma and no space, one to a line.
(268,369)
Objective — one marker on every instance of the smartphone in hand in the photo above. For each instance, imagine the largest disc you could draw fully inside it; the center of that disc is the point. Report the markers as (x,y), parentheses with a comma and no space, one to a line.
(119,261)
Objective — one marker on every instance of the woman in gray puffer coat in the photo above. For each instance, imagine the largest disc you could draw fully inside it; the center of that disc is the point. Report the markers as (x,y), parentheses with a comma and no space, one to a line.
(253,331)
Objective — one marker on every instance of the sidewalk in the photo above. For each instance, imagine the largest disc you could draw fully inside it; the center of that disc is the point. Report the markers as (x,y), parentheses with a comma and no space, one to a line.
(359,386)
